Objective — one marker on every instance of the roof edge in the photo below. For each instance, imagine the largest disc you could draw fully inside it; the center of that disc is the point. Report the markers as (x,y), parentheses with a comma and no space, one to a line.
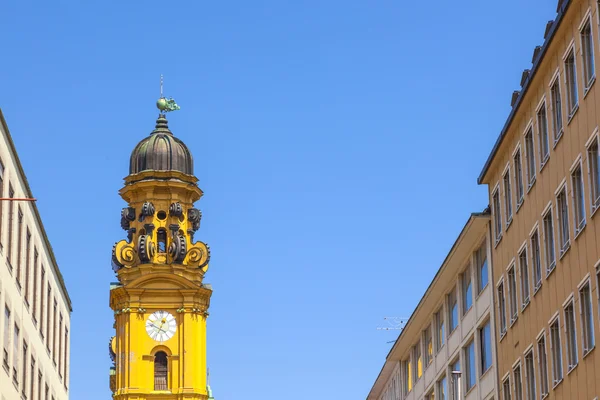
(562,9)
(475,215)
(36,212)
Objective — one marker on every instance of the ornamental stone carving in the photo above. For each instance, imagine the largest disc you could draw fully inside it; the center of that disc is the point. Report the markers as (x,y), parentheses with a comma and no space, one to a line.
(176,210)
(194,216)
(147,210)
(127,216)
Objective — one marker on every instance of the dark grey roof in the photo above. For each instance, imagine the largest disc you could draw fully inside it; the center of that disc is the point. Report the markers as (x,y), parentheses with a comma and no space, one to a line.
(161,151)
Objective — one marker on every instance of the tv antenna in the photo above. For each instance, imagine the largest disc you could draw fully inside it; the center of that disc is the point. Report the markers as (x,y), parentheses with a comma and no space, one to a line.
(393,324)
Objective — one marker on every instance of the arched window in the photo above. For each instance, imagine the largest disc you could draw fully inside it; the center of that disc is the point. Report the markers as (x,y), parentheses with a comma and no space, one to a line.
(160,371)
(162,241)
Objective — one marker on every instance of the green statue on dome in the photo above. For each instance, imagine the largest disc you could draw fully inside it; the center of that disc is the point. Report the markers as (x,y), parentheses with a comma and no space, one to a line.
(163,104)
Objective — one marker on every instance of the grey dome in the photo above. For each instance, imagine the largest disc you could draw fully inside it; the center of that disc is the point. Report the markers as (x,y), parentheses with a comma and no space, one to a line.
(161,151)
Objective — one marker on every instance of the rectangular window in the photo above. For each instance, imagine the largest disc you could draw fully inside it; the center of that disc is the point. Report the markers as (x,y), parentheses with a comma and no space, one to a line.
(405,377)
(506,389)
(409,375)
(563,220)
(35,285)
(27,263)
(497,215)
(6,354)
(571,336)
(485,341)
(443,388)
(524,272)
(555,347)
(470,365)
(16,354)
(536,259)
(40,385)
(587,53)
(543,365)
(11,212)
(530,153)
(32,384)
(501,309)
(60,353)
(593,163)
(55,337)
(571,81)
(557,121)
(507,196)
(530,375)
(66,358)
(578,199)
(482,268)
(512,294)
(418,361)
(519,177)
(518,383)
(24,370)
(542,121)
(42,307)
(427,340)
(19,245)
(48,317)
(467,290)
(549,241)
(587,317)
(452,310)
(440,331)
(454,383)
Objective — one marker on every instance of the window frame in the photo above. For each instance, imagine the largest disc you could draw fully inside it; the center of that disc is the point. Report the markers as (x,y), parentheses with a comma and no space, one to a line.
(543,368)
(513,307)
(571,345)
(497,214)
(466,274)
(535,266)
(543,132)
(524,275)
(452,322)
(530,378)
(550,266)
(557,129)
(588,338)
(558,372)
(593,173)
(507,195)
(572,90)
(564,234)
(530,160)
(517,366)
(502,325)
(589,77)
(518,175)
(578,197)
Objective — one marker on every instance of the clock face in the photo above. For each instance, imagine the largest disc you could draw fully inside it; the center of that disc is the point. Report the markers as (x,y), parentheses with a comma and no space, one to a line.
(161,326)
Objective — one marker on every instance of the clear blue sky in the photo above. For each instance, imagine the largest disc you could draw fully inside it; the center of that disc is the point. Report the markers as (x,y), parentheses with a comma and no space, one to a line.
(338,144)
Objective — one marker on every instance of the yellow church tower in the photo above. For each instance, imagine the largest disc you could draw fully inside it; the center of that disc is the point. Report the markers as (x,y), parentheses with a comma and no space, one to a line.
(160,303)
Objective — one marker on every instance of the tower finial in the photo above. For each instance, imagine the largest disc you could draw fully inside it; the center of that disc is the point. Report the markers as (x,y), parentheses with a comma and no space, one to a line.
(161,86)
(165,105)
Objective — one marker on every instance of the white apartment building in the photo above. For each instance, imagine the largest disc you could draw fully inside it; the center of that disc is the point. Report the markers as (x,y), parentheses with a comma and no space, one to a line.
(446,349)
(35,306)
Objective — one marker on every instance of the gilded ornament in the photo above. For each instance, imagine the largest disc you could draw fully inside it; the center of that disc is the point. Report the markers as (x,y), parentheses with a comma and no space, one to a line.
(198,255)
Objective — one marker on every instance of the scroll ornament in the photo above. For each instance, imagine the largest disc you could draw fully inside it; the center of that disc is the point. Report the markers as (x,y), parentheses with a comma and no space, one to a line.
(127,216)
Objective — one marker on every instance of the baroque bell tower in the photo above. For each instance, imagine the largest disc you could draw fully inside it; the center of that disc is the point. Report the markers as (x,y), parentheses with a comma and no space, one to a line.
(160,302)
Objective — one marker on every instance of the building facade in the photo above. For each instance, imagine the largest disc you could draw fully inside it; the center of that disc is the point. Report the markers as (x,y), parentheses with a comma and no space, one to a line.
(445,350)
(544,190)
(36,309)
(160,302)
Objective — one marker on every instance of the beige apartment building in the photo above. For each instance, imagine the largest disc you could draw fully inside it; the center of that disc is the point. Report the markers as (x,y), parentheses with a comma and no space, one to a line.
(35,306)
(544,190)
(445,350)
